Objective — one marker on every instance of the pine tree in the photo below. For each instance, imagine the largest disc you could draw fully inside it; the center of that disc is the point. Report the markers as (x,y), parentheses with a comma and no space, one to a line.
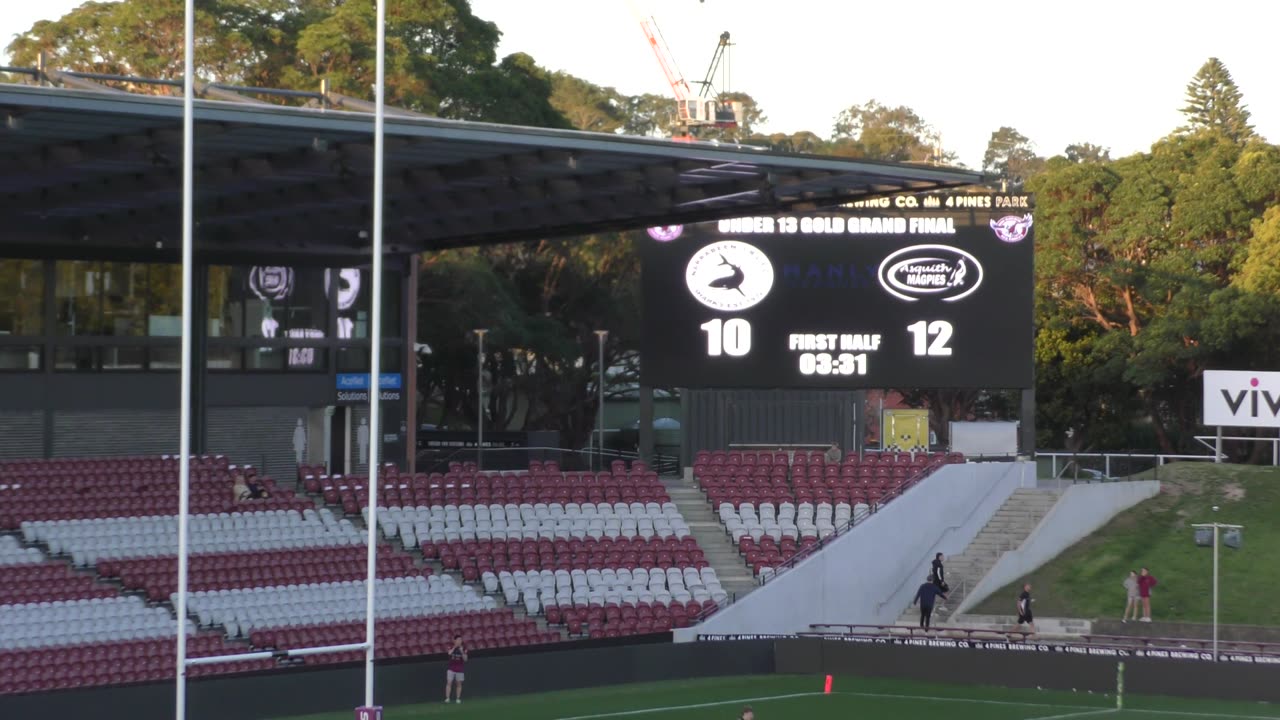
(1214,102)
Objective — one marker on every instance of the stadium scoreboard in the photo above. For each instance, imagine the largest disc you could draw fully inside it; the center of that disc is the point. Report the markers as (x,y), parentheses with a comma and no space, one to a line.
(931,290)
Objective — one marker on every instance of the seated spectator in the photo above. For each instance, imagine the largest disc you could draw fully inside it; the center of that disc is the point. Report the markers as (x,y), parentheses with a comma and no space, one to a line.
(833,455)
(257,490)
(239,490)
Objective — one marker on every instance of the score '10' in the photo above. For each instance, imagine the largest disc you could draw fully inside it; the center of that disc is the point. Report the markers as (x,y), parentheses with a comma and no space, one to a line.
(727,337)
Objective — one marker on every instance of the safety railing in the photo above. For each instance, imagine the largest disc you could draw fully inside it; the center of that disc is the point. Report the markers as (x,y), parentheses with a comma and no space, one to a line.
(1074,467)
(928,555)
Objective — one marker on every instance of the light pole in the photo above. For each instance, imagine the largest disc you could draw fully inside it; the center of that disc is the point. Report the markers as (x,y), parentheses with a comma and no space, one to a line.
(600,336)
(480,333)
(1217,531)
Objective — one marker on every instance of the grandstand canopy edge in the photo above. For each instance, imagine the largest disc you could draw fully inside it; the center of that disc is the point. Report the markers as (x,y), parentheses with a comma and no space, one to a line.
(90,203)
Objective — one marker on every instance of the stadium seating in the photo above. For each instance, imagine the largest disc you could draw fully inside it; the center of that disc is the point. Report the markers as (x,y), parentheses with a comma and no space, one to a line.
(90,541)
(123,487)
(157,577)
(585,550)
(409,636)
(74,622)
(114,663)
(776,505)
(273,564)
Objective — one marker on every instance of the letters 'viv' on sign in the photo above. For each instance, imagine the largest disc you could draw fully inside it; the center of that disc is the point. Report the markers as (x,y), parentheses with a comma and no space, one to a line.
(1241,398)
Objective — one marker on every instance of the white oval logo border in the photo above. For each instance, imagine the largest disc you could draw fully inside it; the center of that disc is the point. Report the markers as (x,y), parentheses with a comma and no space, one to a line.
(881,276)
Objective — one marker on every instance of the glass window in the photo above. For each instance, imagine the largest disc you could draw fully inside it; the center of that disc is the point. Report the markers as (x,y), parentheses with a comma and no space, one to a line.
(19,357)
(392,359)
(21,297)
(265,358)
(356,359)
(226,307)
(166,358)
(124,299)
(353,359)
(75,358)
(129,357)
(224,358)
(164,301)
(79,298)
(391,301)
(352,298)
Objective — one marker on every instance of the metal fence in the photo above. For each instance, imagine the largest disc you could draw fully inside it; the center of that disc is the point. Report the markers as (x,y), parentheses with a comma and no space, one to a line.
(518,458)
(1100,467)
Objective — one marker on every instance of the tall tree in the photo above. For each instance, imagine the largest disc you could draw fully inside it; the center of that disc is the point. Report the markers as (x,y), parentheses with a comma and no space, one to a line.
(542,302)
(1012,155)
(879,132)
(1087,152)
(1260,272)
(1214,102)
(649,115)
(441,58)
(587,106)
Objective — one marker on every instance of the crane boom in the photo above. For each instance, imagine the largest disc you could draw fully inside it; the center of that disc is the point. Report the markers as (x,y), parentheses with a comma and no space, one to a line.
(660,50)
(722,50)
(703,109)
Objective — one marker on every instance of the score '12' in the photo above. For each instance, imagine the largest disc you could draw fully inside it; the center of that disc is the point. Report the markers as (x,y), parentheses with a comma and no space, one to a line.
(939,330)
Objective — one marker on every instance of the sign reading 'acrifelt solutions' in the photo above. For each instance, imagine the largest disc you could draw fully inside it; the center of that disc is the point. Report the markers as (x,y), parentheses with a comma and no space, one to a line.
(1241,398)
(353,388)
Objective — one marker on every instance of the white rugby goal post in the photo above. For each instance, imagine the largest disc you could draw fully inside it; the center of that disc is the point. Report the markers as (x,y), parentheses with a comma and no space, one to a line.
(375,366)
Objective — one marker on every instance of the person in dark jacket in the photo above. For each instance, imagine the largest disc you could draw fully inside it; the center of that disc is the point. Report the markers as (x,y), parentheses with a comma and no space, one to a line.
(926,596)
(938,574)
(1026,615)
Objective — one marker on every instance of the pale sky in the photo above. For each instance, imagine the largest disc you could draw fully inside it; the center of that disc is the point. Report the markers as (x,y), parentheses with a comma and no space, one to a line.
(1111,73)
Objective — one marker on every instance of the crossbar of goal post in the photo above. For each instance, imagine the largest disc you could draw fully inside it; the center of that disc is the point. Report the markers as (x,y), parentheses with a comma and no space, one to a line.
(375,379)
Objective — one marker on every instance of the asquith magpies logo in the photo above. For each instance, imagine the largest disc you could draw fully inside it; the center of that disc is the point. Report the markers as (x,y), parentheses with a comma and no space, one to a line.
(930,271)
(729,275)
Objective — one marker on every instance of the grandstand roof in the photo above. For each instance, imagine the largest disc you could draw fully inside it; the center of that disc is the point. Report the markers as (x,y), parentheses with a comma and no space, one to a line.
(96,168)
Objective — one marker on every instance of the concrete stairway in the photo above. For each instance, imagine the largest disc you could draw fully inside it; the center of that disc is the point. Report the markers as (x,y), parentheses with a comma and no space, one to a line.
(1006,531)
(705,526)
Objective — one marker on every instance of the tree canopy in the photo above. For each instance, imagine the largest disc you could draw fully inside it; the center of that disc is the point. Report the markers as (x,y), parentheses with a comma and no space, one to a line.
(1215,103)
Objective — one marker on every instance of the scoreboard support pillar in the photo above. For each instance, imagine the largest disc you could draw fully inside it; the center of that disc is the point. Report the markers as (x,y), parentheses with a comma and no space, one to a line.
(859,422)
(1027,425)
(646,424)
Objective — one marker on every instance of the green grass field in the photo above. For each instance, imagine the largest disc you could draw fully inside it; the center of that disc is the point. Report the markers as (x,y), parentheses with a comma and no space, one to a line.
(1085,581)
(787,696)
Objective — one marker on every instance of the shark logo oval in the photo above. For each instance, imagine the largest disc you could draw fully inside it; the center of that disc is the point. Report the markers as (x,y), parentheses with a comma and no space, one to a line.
(930,271)
(729,276)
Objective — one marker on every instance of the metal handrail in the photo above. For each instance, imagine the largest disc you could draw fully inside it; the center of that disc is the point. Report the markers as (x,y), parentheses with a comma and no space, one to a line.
(657,464)
(934,544)
(813,549)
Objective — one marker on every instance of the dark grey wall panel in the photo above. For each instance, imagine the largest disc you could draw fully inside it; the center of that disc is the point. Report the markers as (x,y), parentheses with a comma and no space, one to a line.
(92,433)
(272,389)
(21,434)
(716,419)
(258,436)
(23,391)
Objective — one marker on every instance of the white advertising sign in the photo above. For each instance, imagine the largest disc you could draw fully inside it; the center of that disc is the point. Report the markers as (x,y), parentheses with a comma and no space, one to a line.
(1241,398)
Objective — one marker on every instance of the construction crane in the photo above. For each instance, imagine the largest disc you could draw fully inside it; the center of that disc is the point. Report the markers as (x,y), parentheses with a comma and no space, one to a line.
(692,111)
(721,54)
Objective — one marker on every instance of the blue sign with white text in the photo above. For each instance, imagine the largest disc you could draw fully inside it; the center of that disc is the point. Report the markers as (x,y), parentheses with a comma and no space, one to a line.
(360,381)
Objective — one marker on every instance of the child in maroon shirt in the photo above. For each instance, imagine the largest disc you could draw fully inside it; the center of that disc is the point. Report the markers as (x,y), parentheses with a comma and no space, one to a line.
(457,669)
(1146,581)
